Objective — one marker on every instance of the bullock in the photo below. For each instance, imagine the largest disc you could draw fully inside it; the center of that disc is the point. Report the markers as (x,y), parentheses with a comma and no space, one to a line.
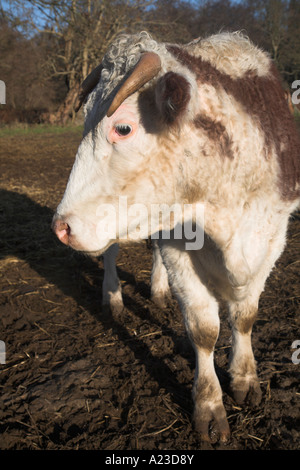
(200,125)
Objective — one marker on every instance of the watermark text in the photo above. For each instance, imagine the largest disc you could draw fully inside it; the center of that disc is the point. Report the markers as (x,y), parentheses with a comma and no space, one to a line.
(2,92)
(2,353)
(296,94)
(159,221)
(296,354)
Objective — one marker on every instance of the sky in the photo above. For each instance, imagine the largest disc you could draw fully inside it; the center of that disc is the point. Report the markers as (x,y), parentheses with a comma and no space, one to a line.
(40,18)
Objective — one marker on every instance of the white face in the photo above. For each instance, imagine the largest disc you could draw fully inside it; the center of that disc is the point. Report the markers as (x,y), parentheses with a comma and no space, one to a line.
(118,172)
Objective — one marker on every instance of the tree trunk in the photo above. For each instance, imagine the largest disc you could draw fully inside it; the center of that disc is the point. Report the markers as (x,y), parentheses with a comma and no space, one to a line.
(66,111)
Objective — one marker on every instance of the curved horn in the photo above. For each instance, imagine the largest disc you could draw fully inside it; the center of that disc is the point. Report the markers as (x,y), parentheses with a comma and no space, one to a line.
(88,85)
(147,68)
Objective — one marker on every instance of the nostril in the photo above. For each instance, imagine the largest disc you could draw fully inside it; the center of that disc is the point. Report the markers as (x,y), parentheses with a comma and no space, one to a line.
(60,226)
(62,231)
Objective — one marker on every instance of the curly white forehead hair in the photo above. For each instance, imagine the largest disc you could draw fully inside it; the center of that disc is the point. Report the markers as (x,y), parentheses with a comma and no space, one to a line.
(120,57)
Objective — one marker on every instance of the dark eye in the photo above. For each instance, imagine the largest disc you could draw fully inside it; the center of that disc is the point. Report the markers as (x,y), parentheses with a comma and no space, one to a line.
(123,129)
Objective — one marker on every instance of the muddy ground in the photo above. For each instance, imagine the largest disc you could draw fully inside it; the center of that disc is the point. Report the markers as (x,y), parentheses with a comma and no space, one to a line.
(77,377)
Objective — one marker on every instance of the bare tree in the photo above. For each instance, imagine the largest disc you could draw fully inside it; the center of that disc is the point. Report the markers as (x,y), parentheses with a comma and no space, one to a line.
(275,25)
(172,21)
(291,53)
(27,87)
(82,30)
(280,21)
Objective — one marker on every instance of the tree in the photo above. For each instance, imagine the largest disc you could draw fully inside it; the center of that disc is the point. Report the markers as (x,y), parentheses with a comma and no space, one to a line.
(280,20)
(21,70)
(291,54)
(171,21)
(275,20)
(82,30)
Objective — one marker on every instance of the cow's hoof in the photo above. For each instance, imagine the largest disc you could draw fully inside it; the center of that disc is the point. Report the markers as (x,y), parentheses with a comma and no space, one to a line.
(112,301)
(203,417)
(159,301)
(161,298)
(246,392)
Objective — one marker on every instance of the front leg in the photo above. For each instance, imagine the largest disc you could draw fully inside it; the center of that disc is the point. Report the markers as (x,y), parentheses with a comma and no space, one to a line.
(160,291)
(200,310)
(111,287)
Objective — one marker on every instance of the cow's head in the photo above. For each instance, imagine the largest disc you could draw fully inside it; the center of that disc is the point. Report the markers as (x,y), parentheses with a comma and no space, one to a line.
(129,158)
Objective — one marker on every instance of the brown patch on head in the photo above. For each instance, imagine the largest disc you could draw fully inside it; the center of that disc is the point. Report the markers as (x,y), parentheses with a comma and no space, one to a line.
(263,98)
(216,132)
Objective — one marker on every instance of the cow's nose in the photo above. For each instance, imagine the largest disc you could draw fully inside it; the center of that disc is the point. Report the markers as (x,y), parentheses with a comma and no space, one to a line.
(62,230)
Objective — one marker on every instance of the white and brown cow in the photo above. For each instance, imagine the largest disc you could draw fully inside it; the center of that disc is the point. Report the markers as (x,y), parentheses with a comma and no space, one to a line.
(204,123)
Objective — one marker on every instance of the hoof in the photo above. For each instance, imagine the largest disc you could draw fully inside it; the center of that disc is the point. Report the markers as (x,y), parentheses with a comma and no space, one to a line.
(161,299)
(246,392)
(202,420)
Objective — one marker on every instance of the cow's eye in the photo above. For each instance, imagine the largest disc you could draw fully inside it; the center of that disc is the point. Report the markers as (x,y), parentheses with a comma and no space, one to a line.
(123,129)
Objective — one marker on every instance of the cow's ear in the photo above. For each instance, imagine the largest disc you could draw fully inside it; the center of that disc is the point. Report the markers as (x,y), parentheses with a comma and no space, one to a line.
(172,96)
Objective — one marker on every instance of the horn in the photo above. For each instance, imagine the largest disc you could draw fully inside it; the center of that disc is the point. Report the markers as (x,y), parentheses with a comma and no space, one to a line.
(147,68)
(88,85)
